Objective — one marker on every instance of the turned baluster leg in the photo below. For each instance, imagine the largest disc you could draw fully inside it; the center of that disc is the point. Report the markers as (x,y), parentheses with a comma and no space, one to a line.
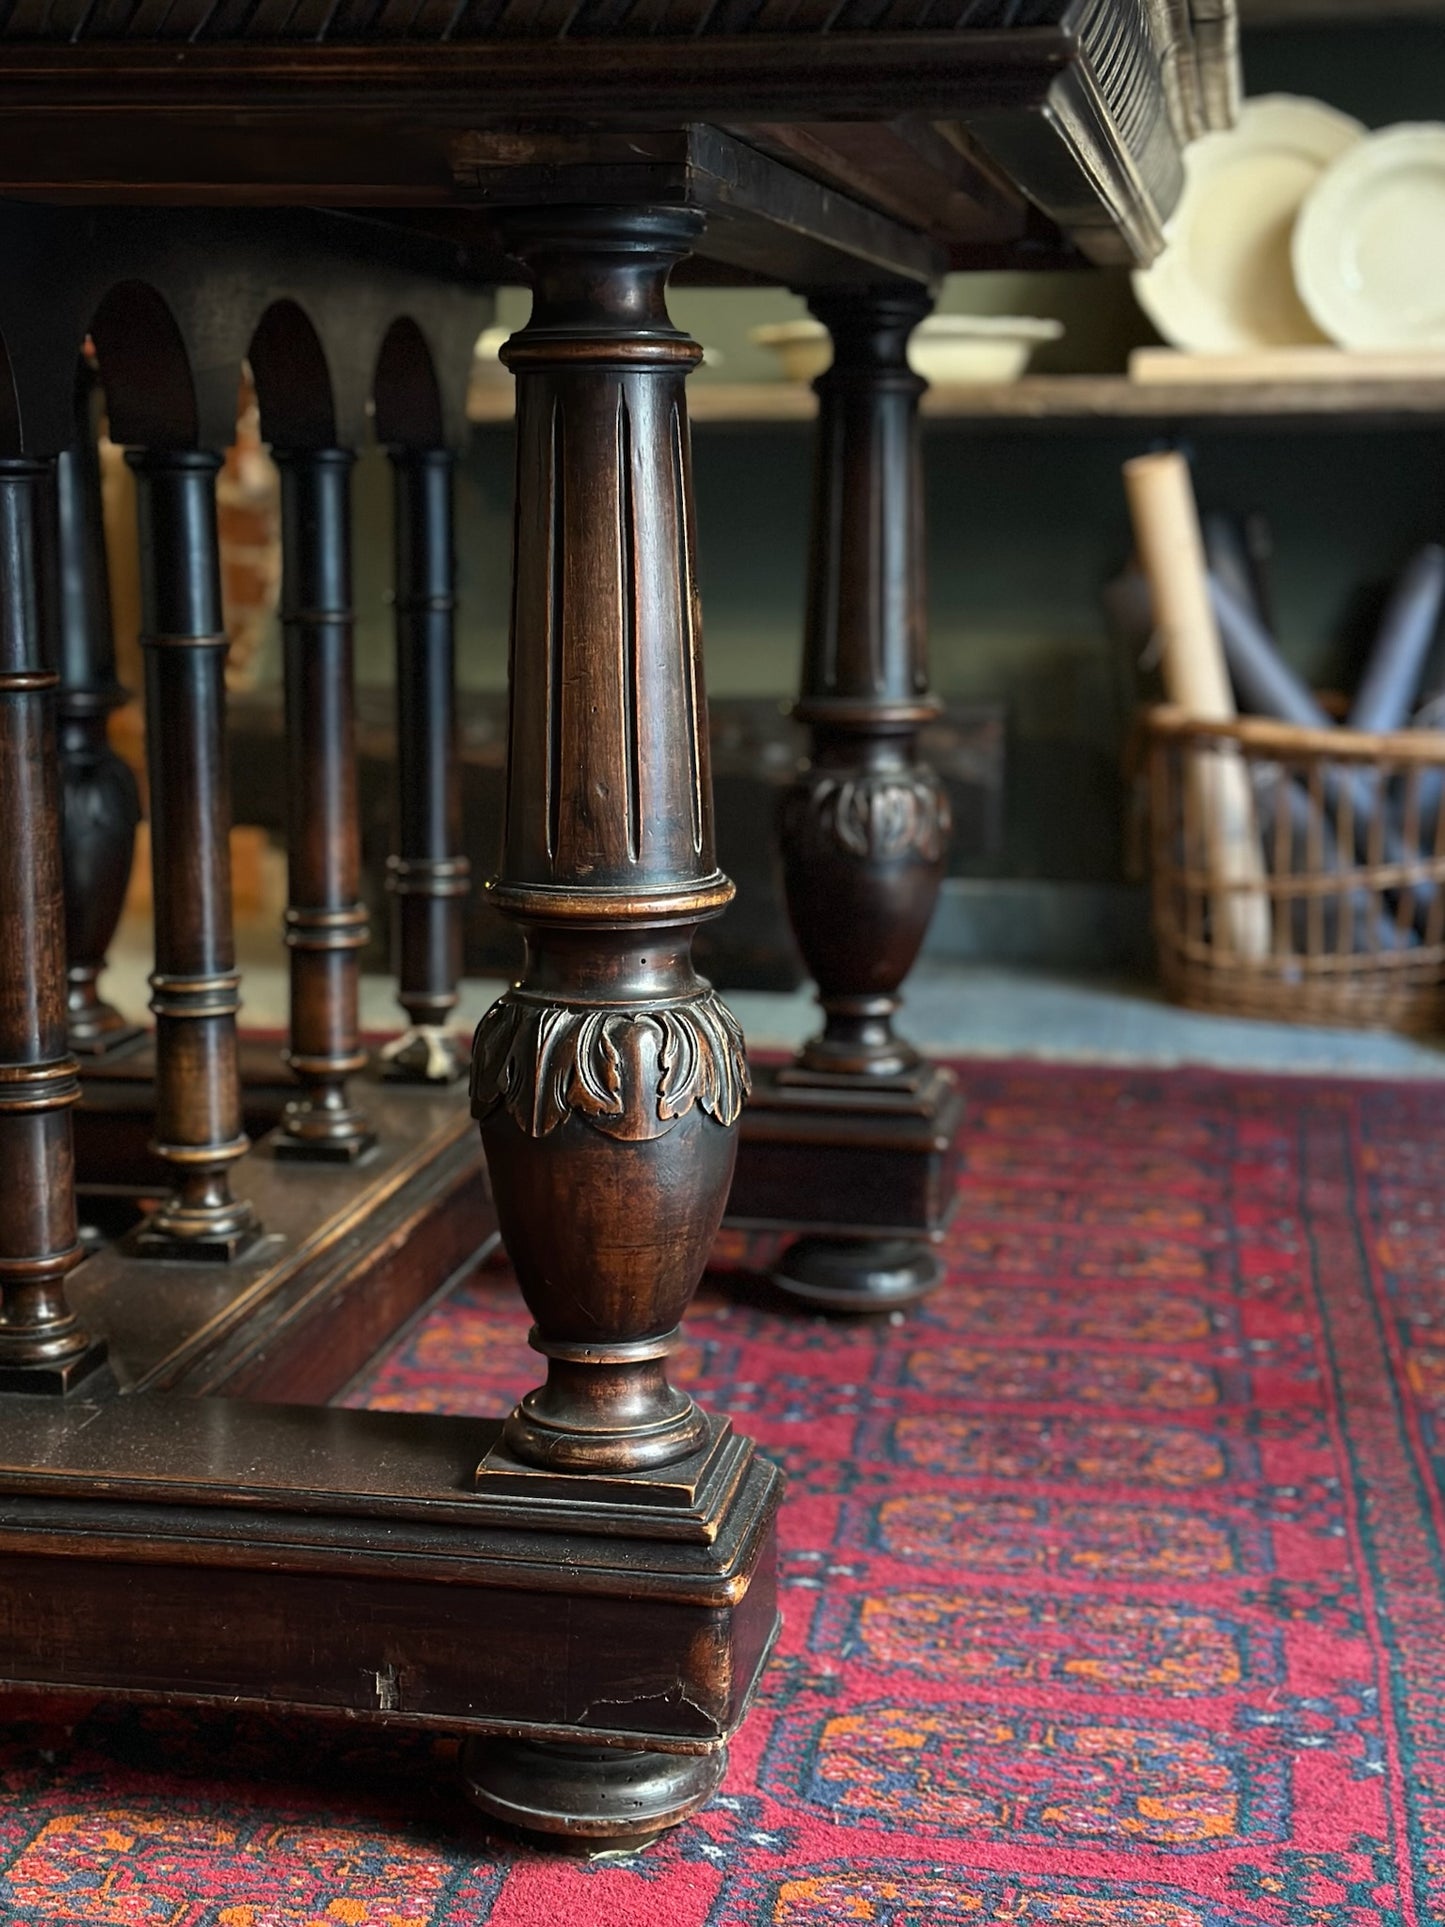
(195,986)
(609,1080)
(864,828)
(428,876)
(42,1346)
(326,923)
(101,804)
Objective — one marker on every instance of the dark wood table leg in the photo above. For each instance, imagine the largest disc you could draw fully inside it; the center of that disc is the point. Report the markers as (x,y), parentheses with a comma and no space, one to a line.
(864,829)
(428,875)
(43,1347)
(101,804)
(609,1081)
(326,922)
(195,985)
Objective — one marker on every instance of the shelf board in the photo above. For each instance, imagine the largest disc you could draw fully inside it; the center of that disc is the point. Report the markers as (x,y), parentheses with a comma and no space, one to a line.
(1343,13)
(1042,399)
(1107,398)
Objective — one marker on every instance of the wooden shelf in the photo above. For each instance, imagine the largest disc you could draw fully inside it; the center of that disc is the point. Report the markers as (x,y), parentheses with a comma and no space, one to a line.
(1111,398)
(1043,399)
(1339,13)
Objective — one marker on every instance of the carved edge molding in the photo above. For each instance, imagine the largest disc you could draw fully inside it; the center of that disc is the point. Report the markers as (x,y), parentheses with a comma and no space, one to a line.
(629,1073)
(873,817)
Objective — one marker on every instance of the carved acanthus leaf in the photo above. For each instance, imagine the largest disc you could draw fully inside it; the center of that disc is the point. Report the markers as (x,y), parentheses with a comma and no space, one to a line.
(876,816)
(629,1073)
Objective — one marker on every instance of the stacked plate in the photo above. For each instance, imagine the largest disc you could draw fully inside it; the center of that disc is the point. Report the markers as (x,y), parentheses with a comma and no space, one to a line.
(1297,227)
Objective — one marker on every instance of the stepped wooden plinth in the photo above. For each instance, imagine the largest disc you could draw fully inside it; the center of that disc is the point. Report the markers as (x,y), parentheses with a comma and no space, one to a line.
(866,1179)
(334,1562)
(351,1251)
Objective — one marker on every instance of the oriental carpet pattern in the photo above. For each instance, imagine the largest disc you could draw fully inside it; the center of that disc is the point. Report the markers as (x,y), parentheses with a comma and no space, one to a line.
(1112,1577)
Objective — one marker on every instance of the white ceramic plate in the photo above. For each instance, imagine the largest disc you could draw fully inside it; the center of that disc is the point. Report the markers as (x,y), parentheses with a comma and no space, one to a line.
(1369,249)
(945,348)
(1225,281)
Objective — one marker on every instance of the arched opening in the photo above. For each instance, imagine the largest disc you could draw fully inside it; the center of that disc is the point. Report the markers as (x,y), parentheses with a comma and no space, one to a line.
(407,399)
(293,382)
(146,371)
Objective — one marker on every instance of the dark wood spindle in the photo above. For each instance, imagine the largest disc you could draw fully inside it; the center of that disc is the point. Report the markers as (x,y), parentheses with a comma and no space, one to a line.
(195,986)
(609,1081)
(326,922)
(865,827)
(43,1348)
(428,875)
(101,803)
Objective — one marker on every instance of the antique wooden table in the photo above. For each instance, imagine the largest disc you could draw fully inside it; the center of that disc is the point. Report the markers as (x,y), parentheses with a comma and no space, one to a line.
(328,190)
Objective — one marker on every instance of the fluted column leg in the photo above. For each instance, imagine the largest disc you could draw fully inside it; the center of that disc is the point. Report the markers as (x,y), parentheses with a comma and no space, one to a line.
(195,986)
(101,804)
(864,828)
(428,876)
(326,922)
(609,1081)
(43,1348)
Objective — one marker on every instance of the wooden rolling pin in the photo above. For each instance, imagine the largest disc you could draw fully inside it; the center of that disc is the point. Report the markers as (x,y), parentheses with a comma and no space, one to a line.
(1171,549)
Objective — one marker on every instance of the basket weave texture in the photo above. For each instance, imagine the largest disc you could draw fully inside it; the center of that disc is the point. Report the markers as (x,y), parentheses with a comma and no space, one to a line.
(1350,831)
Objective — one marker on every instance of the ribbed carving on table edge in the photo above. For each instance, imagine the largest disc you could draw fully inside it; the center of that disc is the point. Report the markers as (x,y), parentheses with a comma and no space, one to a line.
(1127,43)
(544,1063)
(871,816)
(1122,42)
(1128,48)
(352,22)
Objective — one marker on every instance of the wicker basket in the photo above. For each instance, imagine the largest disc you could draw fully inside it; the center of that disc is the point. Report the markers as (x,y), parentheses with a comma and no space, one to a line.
(1347,854)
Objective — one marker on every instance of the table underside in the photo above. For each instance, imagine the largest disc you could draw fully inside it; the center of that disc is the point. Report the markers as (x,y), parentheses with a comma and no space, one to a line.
(971,129)
(586,1588)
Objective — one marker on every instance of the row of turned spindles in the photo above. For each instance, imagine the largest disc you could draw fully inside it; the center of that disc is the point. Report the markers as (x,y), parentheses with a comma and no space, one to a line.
(605,825)
(65,860)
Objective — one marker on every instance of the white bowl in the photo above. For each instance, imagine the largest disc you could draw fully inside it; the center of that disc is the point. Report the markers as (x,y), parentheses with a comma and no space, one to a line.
(486,355)
(946,349)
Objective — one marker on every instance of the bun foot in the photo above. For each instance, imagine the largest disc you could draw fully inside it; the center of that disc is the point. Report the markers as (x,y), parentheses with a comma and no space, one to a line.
(588,1799)
(858,1274)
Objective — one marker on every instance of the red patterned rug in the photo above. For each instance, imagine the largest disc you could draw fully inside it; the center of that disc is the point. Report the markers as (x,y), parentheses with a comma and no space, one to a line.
(1112,1578)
